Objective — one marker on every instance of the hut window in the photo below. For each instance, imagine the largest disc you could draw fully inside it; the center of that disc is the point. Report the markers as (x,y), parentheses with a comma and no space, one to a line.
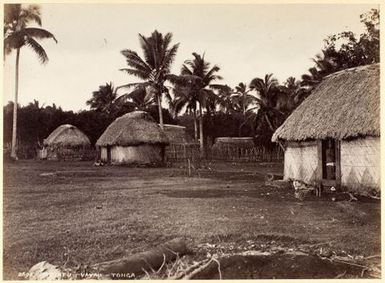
(329,159)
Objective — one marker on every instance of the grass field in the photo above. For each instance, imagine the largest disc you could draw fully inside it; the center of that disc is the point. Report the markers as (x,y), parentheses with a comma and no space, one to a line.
(86,214)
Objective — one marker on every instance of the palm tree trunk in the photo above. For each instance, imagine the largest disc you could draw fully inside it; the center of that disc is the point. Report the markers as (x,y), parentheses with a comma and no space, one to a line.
(195,125)
(14,124)
(272,128)
(202,146)
(159,97)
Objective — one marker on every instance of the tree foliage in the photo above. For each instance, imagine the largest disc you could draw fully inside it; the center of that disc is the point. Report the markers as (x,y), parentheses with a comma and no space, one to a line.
(254,109)
(154,69)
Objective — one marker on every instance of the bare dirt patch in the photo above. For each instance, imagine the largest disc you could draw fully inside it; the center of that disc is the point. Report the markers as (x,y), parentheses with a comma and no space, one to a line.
(85,214)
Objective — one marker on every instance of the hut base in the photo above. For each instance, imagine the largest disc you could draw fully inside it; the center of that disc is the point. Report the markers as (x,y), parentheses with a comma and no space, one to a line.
(141,154)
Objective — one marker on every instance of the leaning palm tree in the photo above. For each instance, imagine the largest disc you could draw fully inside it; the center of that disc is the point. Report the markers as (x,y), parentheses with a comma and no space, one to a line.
(16,35)
(198,76)
(154,68)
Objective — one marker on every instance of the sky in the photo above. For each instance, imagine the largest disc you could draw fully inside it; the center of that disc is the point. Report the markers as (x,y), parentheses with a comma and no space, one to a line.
(245,41)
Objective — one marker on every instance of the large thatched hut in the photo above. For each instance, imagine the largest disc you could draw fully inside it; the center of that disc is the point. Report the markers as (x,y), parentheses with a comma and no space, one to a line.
(134,138)
(67,142)
(333,137)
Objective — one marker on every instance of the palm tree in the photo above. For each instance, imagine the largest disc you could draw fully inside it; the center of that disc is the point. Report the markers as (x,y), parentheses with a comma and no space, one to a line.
(103,100)
(185,98)
(139,99)
(325,64)
(295,93)
(312,79)
(243,100)
(198,75)
(225,99)
(17,35)
(269,100)
(154,68)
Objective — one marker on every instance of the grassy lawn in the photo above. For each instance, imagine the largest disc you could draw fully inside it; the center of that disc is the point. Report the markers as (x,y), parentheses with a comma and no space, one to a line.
(86,214)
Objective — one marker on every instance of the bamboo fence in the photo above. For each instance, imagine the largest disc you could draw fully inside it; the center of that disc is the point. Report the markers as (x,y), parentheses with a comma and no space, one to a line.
(183,152)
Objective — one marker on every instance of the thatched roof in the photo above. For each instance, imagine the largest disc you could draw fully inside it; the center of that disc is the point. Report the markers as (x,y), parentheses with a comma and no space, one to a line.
(67,135)
(177,134)
(344,105)
(131,129)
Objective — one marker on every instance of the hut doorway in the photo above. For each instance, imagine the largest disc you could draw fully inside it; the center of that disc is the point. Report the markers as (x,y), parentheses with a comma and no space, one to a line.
(330,162)
(108,154)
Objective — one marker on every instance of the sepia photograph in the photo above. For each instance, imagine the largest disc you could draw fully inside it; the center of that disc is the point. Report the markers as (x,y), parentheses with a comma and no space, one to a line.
(178,141)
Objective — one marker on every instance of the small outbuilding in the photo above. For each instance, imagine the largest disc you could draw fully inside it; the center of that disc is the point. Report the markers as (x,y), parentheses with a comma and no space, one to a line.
(67,142)
(177,134)
(182,146)
(333,137)
(134,138)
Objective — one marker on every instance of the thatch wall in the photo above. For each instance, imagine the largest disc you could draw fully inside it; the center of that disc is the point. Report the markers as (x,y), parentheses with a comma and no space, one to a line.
(182,152)
(243,149)
(360,164)
(301,161)
(134,128)
(181,145)
(344,105)
(68,153)
(141,154)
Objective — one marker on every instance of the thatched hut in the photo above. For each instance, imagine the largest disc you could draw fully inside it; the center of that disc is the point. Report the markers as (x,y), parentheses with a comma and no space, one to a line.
(333,137)
(134,138)
(67,142)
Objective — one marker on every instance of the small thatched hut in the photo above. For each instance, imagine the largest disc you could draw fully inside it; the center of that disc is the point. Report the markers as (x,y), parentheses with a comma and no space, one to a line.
(66,142)
(333,137)
(134,138)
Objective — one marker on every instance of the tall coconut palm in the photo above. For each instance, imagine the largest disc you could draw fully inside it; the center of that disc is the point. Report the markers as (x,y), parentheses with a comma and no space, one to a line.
(242,97)
(185,98)
(243,100)
(16,35)
(154,68)
(269,99)
(198,75)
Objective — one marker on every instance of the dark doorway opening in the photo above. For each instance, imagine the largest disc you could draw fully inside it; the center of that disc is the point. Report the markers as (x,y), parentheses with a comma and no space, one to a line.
(108,154)
(329,159)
